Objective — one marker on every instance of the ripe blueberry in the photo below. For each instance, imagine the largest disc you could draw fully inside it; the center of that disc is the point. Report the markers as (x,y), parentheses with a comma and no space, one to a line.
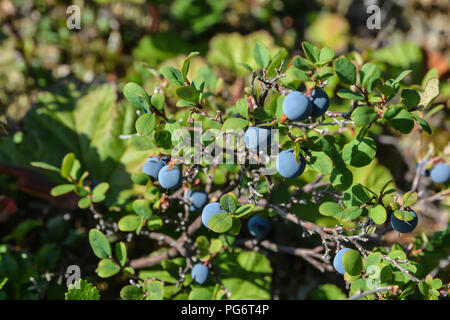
(210,210)
(170,178)
(440,173)
(255,137)
(200,273)
(258,226)
(198,199)
(153,165)
(296,106)
(319,101)
(287,165)
(402,225)
(338,262)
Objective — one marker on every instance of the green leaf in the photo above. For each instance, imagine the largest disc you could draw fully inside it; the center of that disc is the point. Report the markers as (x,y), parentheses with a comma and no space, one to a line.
(186,64)
(424,288)
(235,227)
(22,229)
(142,208)
(215,246)
(356,196)
(184,103)
(330,209)
(402,75)
(107,268)
(141,143)
(140,178)
(425,126)
(45,166)
(359,152)
(311,52)
(320,162)
(235,124)
(352,262)
(363,115)
(99,244)
(261,55)
(129,223)
(403,215)
(202,244)
(410,98)
(131,293)
(163,139)
(158,100)
(187,93)
(62,189)
(220,222)
(84,203)
(436,283)
(67,164)
(154,223)
(75,171)
(410,198)
(345,70)
(145,124)
(242,107)
(326,54)
(281,55)
(372,260)
(100,189)
(155,290)
(351,213)
(370,74)
(378,214)
(300,63)
(136,96)
(399,118)
(243,210)
(229,202)
(350,95)
(430,92)
(121,253)
(173,75)
(341,179)
(200,294)
(85,291)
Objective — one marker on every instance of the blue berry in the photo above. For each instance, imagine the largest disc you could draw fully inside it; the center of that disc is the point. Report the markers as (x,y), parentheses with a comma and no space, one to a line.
(210,210)
(320,102)
(338,262)
(170,178)
(287,165)
(255,137)
(153,165)
(258,226)
(200,273)
(198,199)
(440,173)
(296,106)
(403,226)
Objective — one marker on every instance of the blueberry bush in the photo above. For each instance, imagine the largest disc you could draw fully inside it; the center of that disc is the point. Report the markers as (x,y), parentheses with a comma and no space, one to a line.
(306,174)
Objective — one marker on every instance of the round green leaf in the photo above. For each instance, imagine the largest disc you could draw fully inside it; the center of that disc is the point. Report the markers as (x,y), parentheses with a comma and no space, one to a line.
(99,244)
(378,214)
(155,290)
(345,70)
(145,124)
(330,209)
(220,222)
(129,223)
(359,152)
(403,215)
(107,268)
(410,198)
(363,115)
(131,293)
(142,208)
(352,262)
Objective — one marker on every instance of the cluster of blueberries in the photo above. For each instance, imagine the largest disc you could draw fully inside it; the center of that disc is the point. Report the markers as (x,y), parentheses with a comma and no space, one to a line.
(296,107)
(171,178)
